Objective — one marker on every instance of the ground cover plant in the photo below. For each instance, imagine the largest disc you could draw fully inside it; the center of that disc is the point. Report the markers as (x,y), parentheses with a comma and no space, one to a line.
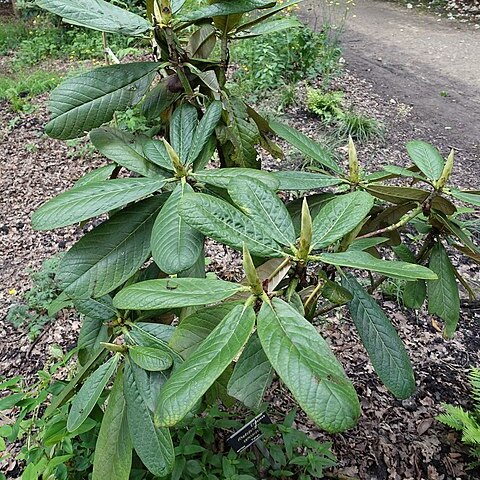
(148,325)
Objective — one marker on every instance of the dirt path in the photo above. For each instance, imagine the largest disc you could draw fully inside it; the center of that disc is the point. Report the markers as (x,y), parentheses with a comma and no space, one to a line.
(427,62)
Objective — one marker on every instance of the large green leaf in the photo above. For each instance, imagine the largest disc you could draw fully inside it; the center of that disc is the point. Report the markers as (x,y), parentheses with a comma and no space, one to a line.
(472,197)
(385,349)
(176,246)
(113,450)
(427,158)
(111,253)
(224,223)
(241,133)
(390,268)
(261,17)
(158,99)
(124,149)
(198,373)
(261,204)
(205,128)
(156,152)
(93,331)
(90,99)
(223,176)
(182,128)
(226,8)
(305,363)
(150,358)
(174,293)
(91,200)
(253,374)
(153,445)
(414,294)
(89,394)
(443,296)
(97,15)
(272,26)
(339,217)
(307,146)
(195,328)
(292,180)
(98,175)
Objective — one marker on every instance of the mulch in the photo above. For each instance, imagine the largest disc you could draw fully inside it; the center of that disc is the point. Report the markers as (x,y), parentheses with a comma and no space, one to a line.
(398,440)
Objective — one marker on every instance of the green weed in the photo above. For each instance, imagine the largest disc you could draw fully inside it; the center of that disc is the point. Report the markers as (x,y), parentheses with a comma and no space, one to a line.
(326,105)
(19,88)
(32,311)
(12,32)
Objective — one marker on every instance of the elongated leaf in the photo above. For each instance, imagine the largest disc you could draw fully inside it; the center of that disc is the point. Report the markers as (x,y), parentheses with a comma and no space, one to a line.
(252,376)
(110,254)
(113,450)
(97,175)
(153,445)
(205,128)
(259,203)
(196,327)
(202,42)
(427,158)
(93,332)
(150,358)
(402,195)
(198,373)
(467,197)
(98,308)
(366,243)
(414,294)
(89,394)
(174,293)
(443,296)
(182,128)
(385,349)
(307,146)
(305,363)
(158,99)
(226,8)
(242,135)
(222,177)
(403,172)
(176,246)
(266,14)
(91,200)
(97,15)
(224,223)
(90,99)
(156,152)
(365,261)
(270,27)
(339,217)
(304,180)
(124,149)
(149,334)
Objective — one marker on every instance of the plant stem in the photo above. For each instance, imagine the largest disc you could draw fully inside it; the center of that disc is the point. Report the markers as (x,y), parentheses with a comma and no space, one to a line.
(223,60)
(403,221)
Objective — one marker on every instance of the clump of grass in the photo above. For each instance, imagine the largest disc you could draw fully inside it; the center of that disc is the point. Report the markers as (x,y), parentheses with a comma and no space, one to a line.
(360,127)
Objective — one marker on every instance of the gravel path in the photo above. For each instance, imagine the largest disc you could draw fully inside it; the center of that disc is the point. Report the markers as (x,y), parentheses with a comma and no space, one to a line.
(425,61)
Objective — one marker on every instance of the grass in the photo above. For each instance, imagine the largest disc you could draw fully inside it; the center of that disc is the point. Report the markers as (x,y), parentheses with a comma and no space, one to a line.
(20,87)
(360,127)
